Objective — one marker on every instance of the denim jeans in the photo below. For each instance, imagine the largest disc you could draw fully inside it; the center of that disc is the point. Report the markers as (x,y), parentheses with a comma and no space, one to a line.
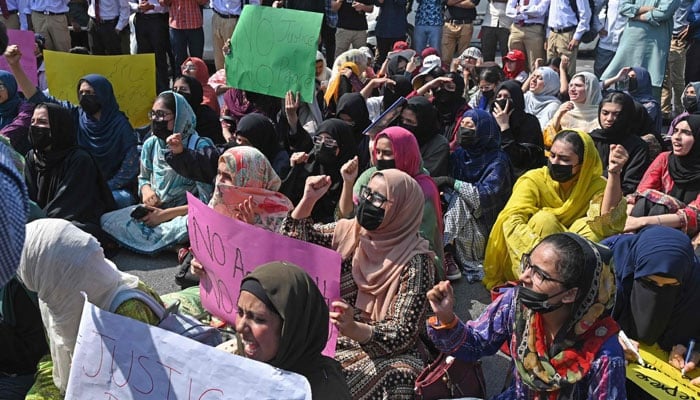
(182,40)
(427,36)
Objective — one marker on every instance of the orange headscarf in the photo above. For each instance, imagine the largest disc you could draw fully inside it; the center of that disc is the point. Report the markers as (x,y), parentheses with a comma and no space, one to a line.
(380,256)
(332,91)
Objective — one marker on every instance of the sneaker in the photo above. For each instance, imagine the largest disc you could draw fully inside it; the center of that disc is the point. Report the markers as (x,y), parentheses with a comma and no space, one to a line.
(452,271)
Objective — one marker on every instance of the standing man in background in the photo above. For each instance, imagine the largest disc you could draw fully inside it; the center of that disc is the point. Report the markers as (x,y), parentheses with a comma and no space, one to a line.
(566,27)
(107,19)
(50,19)
(527,31)
(674,78)
(186,33)
(495,30)
(458,28)
(152,36)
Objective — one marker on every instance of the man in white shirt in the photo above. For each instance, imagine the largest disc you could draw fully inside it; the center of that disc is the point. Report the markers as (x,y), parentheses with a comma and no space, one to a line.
(153,36)
(527,30)
(495,30)
(566,28)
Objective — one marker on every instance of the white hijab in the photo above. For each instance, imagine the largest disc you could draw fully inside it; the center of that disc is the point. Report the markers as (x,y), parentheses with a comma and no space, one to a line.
(58,262)
(543,105)
(585,116)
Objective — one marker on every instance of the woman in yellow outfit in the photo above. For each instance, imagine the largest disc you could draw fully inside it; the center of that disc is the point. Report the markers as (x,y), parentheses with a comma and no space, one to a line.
(568,195)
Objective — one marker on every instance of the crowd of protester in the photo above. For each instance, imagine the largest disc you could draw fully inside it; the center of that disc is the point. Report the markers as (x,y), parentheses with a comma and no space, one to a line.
(573,195)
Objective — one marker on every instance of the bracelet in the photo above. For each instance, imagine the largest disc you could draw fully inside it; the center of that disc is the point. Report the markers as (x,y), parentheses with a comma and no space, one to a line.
(371,334)
(610,171)
(658,219)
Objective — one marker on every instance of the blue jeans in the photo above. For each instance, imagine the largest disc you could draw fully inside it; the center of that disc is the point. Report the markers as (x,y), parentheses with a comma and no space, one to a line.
(15,387)
(183,39)
(427,36)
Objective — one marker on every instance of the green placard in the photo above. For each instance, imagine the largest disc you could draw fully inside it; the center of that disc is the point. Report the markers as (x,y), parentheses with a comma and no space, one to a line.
(273,50)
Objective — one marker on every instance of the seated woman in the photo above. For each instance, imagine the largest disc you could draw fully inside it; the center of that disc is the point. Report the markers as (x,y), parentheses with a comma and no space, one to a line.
(103,129)
(334,145)
(521,135)
(283,321)
(636,81)
(658,290)
(163,191)
(395,147)
(669,192)
(197,69)
(556,324)
(420,117)
(62,178)
(568,195)
(387,269)
(345,80)
(489,78)
(580,112)
(542,100)
(615,116)
(58,262)
(22,333)
(15,114)
(208,124)
(480,184)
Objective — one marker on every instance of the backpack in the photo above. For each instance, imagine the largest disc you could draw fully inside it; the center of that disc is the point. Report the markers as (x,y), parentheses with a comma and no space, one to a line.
(170,318)
(590,34)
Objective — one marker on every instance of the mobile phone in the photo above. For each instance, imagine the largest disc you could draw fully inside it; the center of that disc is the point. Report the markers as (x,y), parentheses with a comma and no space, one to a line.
(140,212)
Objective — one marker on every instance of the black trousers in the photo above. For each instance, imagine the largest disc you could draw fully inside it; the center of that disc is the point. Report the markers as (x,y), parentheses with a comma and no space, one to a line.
(105,39)
(152,36)
(490,39)
(692,62)
(328,41)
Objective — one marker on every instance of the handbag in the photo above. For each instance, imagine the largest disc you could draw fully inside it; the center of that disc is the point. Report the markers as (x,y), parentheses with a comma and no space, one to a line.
(448,378)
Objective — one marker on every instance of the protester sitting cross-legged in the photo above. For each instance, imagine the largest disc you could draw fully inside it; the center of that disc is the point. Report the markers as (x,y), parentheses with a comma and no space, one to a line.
(386,271)
(556,323)
(163,221)
(568,195)
(59,261)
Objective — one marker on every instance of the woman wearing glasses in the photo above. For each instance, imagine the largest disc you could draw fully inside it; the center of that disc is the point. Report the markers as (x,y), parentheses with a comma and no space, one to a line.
(568,195)
(556,323)
(386,272)
(162,219)
(334,145)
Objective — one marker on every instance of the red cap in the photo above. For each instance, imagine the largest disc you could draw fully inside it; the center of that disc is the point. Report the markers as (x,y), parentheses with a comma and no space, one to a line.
(400,45)
(429,51)
(515,55)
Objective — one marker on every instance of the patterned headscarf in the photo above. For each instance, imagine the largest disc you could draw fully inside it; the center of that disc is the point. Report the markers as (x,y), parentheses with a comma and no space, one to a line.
(14,206)
(555,368)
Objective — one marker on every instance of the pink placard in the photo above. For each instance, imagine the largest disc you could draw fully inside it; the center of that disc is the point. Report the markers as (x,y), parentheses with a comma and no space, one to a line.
(230,249)
(25,41)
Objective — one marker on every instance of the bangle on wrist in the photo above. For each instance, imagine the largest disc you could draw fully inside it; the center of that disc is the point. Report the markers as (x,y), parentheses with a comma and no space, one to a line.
(369,338)
(658,219)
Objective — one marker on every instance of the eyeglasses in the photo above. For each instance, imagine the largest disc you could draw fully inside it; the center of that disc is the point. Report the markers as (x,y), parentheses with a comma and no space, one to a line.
(376,199)
(188,67)
(328,142)
(158,115)
(526,263)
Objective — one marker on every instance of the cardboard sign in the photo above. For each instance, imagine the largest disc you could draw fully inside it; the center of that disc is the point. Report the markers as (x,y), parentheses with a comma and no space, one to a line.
(119,358)
(273,50)
(25,41)
(230,249)
(658,378)
(133,78)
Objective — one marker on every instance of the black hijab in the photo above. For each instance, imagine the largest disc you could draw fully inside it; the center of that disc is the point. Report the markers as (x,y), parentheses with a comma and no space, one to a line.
(208,124)
(64,137)
(427,118)
(449,102)
(518,100)
(392,93)
(340,131)
(354,106)
(685,170)
(260,132)
(623,125)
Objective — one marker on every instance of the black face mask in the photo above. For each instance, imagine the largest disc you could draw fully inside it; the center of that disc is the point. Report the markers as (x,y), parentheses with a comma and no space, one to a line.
(467,137)
(632,85)
(690,103)
(39,137)
(505,105)
(651,307)
(187,96)
(90,103)
(488,94)
(160,129)
(559,172)
(537,302)
(385,164)
(443,96)
(410,128)
(325,155)
(369,216)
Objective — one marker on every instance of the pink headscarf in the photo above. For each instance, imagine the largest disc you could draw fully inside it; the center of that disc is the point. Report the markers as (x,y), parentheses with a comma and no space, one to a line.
(408,159)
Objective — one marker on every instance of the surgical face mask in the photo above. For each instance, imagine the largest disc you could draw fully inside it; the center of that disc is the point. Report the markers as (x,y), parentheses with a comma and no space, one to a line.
(560,172)
(369,216)
(537,302)
(160,129)
(325,155)
(690,103)
(39,137)
(385,164)
(90,103)
(467,137)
